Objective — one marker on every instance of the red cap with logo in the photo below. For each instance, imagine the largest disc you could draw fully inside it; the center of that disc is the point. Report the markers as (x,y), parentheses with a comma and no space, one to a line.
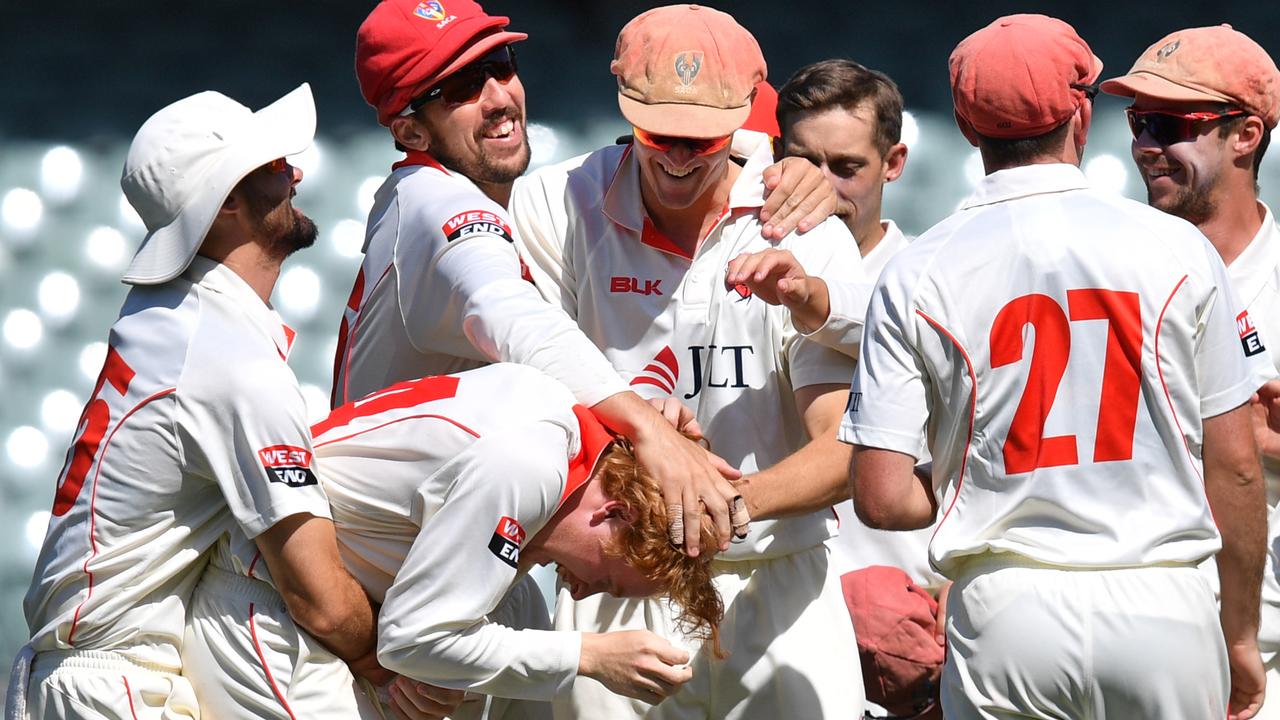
(405,46)
(1014,78)
(1206,64)
(893,619)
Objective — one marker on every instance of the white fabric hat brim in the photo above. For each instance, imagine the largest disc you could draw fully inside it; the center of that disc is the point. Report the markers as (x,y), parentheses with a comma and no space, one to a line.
(285,127)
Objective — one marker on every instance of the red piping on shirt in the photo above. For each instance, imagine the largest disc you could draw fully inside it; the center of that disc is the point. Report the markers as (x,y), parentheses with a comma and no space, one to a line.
(350,341)
(973,410)
(93,544)
(451,421)
(418,157)
(1165,386)
(253,632)
(128,693)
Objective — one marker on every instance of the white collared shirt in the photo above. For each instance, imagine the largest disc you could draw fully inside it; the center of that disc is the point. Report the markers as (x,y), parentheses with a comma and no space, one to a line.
(668,323)
(196,435)
(1093,461)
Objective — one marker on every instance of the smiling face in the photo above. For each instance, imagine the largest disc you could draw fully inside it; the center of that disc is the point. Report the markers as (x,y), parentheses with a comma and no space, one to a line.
(1182,178)
(484,139)
(677,178)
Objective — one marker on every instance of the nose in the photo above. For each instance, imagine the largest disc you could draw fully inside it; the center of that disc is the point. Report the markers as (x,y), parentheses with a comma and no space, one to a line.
(496,93)
(1144,144)
(680,154)
(295,175)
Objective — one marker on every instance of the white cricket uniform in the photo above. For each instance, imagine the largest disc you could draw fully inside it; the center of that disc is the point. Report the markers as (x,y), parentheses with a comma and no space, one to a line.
(170,460)
(441,290)
(1255,275)
(671,327)
(858,546)
(1062,399)
(435,486)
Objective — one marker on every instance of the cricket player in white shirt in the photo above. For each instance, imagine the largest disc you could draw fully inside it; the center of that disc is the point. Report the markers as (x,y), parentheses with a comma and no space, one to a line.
(633,241)
(442,288)
(1086,407)
(447,489)
(194,447)
(1205,101)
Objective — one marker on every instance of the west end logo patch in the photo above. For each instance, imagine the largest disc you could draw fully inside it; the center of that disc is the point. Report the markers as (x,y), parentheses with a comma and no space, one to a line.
(475,221)
(288,465)
(1249,339)
(687,63)
(506,541)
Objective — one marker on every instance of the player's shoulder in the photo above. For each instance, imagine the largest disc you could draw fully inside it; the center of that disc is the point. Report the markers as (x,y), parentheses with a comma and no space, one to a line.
(433,200)
(516,390)
(589,171)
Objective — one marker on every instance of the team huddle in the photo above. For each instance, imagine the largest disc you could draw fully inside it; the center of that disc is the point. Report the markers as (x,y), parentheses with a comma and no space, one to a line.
(1049,427)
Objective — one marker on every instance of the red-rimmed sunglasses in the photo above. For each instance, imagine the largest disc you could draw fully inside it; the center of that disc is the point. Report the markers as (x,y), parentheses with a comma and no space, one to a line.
(465,85)
(1168,128)
(276,166)
(697,146)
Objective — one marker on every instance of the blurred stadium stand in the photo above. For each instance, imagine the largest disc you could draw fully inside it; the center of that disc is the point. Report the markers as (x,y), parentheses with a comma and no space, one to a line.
(92,75)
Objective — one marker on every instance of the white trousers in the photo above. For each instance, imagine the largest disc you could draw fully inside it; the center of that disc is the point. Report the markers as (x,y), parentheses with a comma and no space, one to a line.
(792,652)
(97,685)
(1128,644)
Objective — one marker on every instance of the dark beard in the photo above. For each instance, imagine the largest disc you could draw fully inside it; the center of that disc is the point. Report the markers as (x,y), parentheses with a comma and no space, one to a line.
(483,169)
(300,233)
(1190,205)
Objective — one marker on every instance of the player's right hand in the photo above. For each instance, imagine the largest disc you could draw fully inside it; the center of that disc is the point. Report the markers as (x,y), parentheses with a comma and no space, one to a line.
(413,700)
(679,415)
(691,478)
(1248,680)
(634,663)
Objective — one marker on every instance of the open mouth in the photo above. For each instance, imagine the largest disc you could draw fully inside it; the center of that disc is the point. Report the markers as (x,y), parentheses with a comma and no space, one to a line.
(501,130)
(576,587)
(674,172)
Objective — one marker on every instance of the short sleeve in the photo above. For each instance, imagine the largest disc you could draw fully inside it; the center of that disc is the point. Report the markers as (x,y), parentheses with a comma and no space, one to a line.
(1231,361)
(888,404)
(826,356)
(245,424)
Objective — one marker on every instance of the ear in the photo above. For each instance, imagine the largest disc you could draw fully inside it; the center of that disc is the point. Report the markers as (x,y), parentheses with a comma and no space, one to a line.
(1084,116)
(232,204)
(966,130)
(612,509)
(411,133)
(894,162)
(1247,138)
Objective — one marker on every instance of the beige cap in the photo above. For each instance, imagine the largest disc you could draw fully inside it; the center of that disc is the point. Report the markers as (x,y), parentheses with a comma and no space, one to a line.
(687,71)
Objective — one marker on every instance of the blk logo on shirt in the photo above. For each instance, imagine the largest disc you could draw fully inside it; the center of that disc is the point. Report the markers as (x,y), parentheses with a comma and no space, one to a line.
(506,541)
(288,465)
(471,222)
(1249,338)
(626,284)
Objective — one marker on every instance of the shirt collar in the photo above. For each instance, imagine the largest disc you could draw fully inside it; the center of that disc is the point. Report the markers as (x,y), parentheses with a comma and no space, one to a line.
(219,278)
(1024,181)
(1252,268)
(624,205)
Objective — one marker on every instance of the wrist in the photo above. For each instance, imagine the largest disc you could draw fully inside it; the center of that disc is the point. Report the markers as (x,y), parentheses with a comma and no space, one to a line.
(814,312)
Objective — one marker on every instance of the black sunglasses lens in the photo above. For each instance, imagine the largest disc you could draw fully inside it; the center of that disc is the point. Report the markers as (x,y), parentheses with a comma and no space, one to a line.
(465,85)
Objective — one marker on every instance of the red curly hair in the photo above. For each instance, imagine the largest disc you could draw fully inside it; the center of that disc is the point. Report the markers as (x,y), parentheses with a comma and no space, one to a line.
(646,545)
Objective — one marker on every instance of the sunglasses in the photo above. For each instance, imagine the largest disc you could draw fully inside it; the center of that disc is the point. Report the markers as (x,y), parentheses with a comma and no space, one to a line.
(697,146)
(277,166)
(1167,128)
(465,85)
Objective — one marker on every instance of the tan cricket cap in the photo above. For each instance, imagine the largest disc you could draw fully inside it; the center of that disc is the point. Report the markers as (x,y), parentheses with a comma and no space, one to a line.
(687,71)
(1215,64)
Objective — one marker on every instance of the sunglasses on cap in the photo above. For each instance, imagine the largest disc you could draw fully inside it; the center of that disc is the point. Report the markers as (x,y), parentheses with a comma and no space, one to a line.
(465,85)
(697,146)
(1167,128)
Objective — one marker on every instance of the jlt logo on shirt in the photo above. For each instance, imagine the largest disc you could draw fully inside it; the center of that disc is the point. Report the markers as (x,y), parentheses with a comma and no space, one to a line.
(1248,334)
(725,367)
(287,464)
(506,541)
(475,221)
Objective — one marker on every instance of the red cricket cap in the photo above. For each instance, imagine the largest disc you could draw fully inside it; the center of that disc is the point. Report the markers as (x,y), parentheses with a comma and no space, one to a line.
(405,46)
(1215,64)
(595,439)
(1013,78)
(764,111)
(893,619)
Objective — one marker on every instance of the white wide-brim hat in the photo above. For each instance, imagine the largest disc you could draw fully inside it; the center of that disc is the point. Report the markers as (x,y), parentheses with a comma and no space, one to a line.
(186,159)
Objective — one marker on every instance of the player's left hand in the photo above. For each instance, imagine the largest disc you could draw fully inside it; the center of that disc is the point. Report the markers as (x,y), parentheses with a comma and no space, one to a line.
(797,197)
(776,277)
(414,700)
(370,669)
